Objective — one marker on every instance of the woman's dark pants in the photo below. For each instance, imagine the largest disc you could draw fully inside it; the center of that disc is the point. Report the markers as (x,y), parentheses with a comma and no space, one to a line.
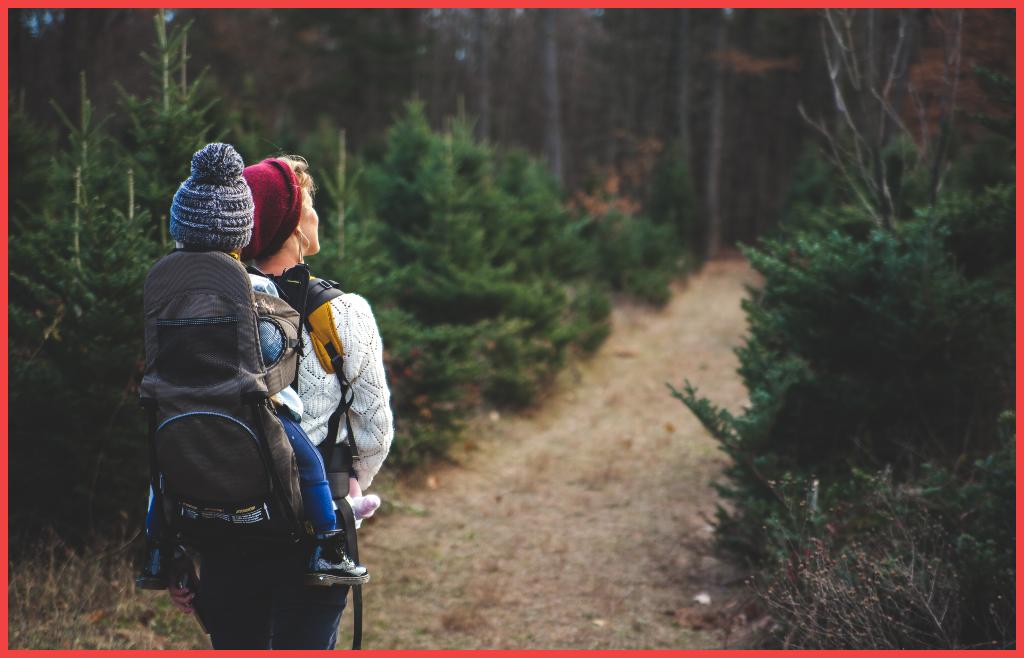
(256,600)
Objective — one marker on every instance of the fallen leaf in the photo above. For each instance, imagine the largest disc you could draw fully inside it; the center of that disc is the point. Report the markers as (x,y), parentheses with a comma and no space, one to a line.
(95,616)
(600,623)
(695,618)
(669,427)
(431,482)
(702,598)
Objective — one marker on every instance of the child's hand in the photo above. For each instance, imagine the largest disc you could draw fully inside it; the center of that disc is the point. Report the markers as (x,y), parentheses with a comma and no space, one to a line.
(364,506)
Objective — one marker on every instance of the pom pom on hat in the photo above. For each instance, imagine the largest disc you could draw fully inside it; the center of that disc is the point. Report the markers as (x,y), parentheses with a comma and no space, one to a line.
(219,164)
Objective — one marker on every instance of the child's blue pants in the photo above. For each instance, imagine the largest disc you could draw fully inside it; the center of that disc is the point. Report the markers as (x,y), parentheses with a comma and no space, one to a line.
(316,492)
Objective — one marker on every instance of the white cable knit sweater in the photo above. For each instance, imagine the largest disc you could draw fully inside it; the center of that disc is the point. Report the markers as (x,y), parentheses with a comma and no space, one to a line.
(364,370)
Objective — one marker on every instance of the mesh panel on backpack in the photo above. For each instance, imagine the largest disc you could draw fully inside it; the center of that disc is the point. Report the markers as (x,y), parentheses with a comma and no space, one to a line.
(197,351)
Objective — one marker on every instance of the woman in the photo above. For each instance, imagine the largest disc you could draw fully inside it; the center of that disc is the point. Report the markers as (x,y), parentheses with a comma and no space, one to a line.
(255,599)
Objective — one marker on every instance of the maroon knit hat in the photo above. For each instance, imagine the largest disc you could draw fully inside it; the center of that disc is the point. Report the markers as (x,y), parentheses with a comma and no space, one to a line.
(278,200)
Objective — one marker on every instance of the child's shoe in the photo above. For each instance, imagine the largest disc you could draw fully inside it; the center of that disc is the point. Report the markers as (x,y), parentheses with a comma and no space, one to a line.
(329,564)
(152,575)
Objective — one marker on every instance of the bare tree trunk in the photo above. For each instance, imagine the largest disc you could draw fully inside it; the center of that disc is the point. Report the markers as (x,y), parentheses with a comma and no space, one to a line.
(552,114)
(682,67)
(131,195)
(184,65)
(76,228)
(875,117)
(952,52)
(483,109)
(869,90)
(341,193)
(436,71)
(18,46)
(714,174)
(165,60)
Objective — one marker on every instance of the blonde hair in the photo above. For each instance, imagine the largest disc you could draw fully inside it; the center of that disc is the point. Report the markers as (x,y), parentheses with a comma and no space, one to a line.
(300,166)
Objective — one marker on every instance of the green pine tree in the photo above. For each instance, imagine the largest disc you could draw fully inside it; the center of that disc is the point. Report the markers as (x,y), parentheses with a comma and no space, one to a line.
(167,126)
(478,275)
(75,349)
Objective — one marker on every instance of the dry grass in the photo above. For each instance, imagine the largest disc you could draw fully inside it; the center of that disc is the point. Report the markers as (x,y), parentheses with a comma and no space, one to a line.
(577,525)
(463,619)
(61,599)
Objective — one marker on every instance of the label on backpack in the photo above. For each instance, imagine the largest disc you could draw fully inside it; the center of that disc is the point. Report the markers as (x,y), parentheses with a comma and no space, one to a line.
(245,515)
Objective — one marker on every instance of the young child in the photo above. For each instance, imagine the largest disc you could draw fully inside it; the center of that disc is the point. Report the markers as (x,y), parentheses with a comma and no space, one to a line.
(213,210)
(316,494)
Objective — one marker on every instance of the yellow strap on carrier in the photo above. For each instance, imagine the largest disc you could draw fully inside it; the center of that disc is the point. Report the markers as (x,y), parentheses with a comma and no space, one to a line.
(324,335)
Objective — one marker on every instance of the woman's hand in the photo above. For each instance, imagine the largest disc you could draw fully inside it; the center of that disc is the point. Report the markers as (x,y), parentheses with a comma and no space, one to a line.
(182,597)
(184,583)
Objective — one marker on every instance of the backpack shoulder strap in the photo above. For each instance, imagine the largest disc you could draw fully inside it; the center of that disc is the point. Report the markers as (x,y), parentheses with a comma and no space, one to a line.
(318,317)
(323,331)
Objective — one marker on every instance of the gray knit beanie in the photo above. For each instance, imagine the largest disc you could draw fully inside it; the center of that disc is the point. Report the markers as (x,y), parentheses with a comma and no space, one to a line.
(213,208)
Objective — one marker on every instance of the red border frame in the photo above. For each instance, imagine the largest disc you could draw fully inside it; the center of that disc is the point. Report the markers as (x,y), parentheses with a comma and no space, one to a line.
(3,324)
(506,4)
(305,4)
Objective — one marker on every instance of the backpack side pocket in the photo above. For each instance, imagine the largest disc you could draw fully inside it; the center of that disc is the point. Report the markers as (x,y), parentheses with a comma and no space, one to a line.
(278,326)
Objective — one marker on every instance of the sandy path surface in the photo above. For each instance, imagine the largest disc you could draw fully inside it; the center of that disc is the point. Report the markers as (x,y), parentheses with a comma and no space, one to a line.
(583,523)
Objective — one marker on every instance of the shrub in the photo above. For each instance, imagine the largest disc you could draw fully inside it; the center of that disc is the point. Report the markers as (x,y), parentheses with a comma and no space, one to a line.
(878,350)
(637,256)
(672,200)
(634,252)
(77,262)
(430,372)
(865,352)
(479,272)
(924,564)
(894,588)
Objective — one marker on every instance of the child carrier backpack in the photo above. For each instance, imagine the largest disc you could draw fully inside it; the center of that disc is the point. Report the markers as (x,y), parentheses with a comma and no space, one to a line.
(222,467)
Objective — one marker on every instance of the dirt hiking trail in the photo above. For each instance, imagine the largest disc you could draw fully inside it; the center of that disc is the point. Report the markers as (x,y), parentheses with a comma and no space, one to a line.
(581,524)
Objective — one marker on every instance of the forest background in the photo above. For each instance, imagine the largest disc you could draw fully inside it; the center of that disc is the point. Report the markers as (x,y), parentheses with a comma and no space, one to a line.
(493,180)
